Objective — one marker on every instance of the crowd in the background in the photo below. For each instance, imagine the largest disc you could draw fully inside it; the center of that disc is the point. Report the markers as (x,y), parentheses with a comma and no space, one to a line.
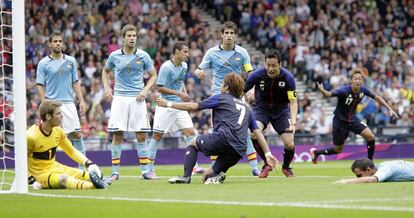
(321,40)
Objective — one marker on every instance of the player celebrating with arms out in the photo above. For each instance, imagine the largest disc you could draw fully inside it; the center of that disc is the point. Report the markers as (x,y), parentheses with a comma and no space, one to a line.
(345,119)
(275,102)
(42,142)
(223,59)
(129,110)
(231,119)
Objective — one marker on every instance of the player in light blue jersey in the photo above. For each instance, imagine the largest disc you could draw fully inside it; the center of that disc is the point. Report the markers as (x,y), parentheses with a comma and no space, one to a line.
(170,83)
(128,110)
(223,59)
(57,79)
(387,171)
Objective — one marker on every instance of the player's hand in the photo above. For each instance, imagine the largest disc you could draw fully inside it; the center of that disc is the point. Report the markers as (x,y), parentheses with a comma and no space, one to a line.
(393,115)
(161,102)
(184,97)
(250,96)
(319,86)
(108,94)
(93,167)
(141,96)
(273,162)
(82,108)
(200,74)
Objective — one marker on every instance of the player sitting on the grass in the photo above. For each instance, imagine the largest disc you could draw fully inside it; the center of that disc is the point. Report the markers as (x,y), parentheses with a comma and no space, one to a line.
(231,120)
(387,171)
(42,142)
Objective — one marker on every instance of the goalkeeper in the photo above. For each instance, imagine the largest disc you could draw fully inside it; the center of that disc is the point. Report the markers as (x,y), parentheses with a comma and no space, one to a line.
(42,142)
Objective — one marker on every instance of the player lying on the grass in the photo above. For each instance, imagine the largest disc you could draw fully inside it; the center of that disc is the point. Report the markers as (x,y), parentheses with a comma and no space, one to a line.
(387,171)
(42,142)
(345,119)
(231,119)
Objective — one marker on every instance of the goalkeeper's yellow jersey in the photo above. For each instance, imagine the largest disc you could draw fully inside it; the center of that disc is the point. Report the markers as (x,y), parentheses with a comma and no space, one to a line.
(41,149)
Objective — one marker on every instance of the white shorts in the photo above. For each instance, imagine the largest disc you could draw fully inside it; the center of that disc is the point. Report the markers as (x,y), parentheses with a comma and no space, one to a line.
(171,120)
(70,120)
(128,115)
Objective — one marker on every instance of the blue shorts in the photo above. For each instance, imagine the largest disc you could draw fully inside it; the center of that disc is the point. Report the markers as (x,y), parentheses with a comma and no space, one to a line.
(341,129)
(280,120)
(215,144)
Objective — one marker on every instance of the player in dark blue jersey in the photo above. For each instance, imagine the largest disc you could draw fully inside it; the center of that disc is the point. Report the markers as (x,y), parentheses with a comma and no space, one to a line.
(231,120)
(275,102)
(345,119)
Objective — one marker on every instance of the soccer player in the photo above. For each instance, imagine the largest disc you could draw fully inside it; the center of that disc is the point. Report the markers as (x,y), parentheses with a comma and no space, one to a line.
(170,83)
(223,59)
(231,119)
(129,110)
(57,79)
(275,102)
(42,142)
(387,171)
(345,120)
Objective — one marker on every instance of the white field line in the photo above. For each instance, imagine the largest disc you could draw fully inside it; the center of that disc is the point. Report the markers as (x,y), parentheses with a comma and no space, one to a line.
(239,177)
(308,204)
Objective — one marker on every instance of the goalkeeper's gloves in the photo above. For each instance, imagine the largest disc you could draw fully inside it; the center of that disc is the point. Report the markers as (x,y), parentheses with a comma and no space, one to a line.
(93,167)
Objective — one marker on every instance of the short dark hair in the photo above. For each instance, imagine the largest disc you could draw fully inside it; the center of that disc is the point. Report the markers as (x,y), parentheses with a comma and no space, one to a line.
(235,84)
(54,34)
(179,45)
(274,53)
(48,107)
(362,164)
(229,25)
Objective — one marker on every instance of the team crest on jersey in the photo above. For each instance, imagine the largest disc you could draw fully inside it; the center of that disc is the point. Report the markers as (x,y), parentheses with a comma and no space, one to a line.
(138,62)
(262,85)
(238,59)
(361,95)
(282,84)
(69,65)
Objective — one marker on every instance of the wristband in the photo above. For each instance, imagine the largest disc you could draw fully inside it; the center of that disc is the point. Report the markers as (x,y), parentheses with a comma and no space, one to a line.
(169,104)
(88,163)
(268,154)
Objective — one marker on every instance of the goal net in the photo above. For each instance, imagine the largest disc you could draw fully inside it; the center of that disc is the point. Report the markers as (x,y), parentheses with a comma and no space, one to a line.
(13,148)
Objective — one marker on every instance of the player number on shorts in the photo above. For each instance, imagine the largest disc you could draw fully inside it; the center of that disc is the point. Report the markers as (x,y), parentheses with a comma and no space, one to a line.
(242,110)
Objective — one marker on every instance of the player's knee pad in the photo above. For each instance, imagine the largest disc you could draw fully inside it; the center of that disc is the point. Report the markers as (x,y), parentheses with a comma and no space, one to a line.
(57,181)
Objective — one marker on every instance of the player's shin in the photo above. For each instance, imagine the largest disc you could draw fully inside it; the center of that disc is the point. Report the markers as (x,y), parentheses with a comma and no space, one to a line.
(80,146)
(251,155)
(152,146)
(116,151)
(259,150)
(371,149)
(72,183)
(288,155)
(143,156)
(190,160)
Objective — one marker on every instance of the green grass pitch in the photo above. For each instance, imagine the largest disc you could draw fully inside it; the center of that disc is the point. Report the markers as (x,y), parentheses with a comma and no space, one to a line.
(310,194)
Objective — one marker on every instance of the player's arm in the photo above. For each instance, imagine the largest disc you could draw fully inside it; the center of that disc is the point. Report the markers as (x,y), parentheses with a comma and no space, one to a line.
(249,85)
(205,64)
(293,109)
(40,81)
(151,81)
(324,92)
(367,179)
(247,66)
(105,81)
(382,102)
(186,106)
(78,91)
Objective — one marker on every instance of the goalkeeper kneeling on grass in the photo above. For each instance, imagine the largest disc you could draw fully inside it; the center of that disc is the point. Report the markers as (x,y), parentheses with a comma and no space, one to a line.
(42,142)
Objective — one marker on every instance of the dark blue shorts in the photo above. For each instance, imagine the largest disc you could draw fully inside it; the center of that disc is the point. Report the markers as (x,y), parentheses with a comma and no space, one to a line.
(278,119)
(215,144)
(341,129)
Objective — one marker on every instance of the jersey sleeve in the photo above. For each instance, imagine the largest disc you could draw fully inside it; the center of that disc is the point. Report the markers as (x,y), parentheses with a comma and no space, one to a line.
(247,66)
(110,64)
(210,102)
(383,173)
(206,62)
(251,80)
(75,77)
(40,73)
(338,92)
(368,93)
(162,76)
(291,87)
(252,122)
(149,66)
(30,142)
(68,148)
